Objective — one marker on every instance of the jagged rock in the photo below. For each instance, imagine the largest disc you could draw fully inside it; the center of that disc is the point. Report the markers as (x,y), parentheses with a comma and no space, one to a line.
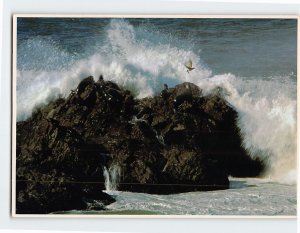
(175,142)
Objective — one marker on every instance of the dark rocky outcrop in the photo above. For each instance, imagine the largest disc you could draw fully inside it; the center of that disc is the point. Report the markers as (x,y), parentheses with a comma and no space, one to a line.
(178,141)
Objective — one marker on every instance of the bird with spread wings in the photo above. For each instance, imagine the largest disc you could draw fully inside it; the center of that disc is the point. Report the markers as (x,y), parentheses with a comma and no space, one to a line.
(189,66)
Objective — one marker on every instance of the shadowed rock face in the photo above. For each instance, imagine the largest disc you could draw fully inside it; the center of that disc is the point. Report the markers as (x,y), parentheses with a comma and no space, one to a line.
(176,142)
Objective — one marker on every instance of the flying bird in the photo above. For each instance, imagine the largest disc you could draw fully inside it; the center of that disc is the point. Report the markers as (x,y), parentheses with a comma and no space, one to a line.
(189,66)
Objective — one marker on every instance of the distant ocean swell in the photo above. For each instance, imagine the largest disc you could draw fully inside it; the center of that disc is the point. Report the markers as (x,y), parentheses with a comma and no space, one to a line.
(266,106)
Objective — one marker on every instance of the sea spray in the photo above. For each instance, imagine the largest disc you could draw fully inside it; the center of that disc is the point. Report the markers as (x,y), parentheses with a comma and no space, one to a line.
(135,65)
(266,119)
(112,177)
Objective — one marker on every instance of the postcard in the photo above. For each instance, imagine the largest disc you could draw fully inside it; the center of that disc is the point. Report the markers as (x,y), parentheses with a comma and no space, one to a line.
(155,116)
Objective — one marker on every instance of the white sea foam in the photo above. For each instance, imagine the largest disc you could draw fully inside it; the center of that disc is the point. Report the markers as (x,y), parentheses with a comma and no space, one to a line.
(246,196)
(266,106)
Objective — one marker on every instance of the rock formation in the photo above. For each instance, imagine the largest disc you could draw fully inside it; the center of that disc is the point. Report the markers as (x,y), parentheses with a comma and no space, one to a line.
(174,142)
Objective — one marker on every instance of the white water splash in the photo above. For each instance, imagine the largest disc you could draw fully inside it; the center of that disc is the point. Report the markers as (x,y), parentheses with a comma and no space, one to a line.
(112,177)
(266,118)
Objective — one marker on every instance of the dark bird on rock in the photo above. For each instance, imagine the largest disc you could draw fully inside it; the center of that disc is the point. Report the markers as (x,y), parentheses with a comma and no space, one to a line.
(165,92)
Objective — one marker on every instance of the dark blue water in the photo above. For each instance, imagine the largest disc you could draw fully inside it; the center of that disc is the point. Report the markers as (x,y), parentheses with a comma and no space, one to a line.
(244,47)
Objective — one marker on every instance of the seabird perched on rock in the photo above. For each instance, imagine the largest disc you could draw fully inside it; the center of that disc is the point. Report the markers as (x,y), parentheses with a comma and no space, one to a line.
(165,92)
(189,66)
(100,81)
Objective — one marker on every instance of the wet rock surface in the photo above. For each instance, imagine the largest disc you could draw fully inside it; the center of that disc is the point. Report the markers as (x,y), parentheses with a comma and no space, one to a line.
(175,142)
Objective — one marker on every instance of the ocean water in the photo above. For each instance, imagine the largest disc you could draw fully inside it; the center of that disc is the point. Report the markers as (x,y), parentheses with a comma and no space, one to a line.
(250,196)
(254,60)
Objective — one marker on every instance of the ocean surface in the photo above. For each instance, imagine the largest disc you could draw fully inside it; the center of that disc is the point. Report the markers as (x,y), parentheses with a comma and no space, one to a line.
(254,60)
(251,196)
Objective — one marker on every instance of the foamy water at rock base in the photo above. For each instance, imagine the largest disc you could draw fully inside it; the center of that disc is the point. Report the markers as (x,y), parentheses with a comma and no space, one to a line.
(245,197)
